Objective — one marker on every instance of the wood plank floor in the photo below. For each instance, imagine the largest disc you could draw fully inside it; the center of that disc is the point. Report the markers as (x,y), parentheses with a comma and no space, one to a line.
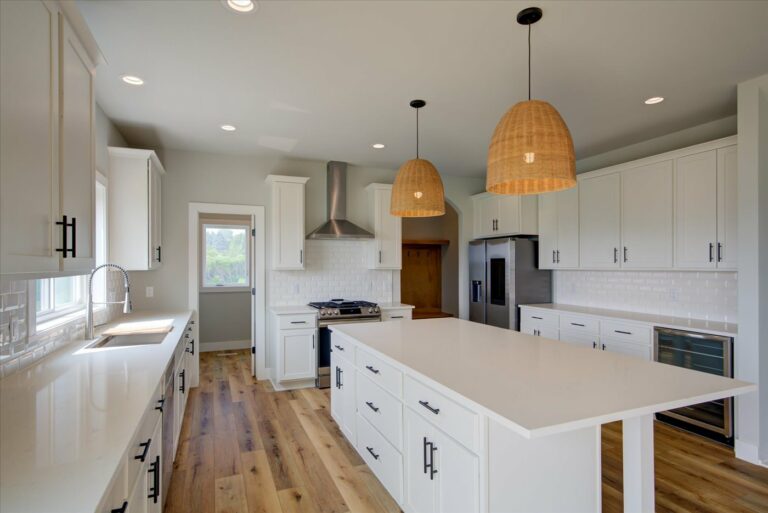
(246,448)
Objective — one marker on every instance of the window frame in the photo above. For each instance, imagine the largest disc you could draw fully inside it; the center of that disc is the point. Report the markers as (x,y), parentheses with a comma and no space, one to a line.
(225,224)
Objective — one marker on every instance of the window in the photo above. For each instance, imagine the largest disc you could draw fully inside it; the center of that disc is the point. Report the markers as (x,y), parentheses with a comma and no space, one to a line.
(56,298)
(226,250)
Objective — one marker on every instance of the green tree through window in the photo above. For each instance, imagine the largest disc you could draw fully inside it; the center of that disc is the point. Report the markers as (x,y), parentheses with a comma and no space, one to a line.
(226,256)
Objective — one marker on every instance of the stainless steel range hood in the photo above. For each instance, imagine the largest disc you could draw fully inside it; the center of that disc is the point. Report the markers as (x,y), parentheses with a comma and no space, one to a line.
(337,226)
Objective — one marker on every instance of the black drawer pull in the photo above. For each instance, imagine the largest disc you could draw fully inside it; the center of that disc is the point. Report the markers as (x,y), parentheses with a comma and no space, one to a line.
(594,345)
(154,490)
(426,405)
(160,404)
(396,317)
(121,509)
(603,347)
(623,332)
(370,449)
(371,406)
(298,322)
(141,457)
(534,317)
(191,349)
(338,347)
(370,368)
(577,324)
(183,386)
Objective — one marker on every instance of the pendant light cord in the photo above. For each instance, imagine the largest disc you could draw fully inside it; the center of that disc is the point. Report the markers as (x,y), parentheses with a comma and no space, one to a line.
(417,133)
(529,62)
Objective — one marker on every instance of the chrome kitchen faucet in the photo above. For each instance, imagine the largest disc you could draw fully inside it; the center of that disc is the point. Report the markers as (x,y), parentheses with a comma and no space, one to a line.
(125,302)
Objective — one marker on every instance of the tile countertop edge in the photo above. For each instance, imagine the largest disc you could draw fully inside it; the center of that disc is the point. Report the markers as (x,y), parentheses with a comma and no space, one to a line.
(51,368)
(722,328)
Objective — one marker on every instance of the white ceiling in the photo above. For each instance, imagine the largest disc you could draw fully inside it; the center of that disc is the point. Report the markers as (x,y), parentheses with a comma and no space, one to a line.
(325,80)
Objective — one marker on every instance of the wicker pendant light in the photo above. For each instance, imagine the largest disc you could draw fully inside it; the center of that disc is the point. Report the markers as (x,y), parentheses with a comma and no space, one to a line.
(418,189)
(531,150)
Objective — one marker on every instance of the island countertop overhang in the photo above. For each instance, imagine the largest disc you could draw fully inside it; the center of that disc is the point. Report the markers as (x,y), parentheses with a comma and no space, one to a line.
(535,386)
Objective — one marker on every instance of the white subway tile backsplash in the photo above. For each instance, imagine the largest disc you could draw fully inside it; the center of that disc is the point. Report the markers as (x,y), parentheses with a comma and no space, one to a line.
(333,269)
(697,295)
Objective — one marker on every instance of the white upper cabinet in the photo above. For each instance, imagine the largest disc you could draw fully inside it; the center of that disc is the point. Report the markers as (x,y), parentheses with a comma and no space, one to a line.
(387,248)
(559,229)
(287,223)
(500,215)
(46,143)
(599,221)
(727,208)
(135,209)
(646,216)
(696,210)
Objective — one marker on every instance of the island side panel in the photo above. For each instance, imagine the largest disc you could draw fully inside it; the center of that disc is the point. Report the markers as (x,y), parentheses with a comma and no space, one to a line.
(549,474)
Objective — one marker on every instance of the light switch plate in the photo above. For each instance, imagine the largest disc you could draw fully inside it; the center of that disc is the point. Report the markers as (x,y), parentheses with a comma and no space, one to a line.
(149,292)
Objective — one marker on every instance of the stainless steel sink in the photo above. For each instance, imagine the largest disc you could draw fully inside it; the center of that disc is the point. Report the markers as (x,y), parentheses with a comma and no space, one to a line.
(133,339)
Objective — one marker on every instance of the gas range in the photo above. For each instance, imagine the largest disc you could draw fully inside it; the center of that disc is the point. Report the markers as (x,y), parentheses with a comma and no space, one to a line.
(349,311)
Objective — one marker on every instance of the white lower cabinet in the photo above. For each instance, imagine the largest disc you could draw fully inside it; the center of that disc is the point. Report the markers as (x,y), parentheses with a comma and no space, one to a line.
(343,395)
(381,457)
(441,475)
(294,343)
(628,348)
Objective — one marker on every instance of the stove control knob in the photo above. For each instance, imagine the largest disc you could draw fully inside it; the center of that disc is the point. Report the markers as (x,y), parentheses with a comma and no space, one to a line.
(323,313)
(376,309)
(370,310)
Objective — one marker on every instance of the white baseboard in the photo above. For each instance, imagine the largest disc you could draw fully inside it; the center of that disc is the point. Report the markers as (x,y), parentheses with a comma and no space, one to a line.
(747,452)
(227,345)
(293,385)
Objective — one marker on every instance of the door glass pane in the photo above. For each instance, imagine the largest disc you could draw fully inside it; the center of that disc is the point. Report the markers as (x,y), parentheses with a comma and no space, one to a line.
(498,281)
(226,256)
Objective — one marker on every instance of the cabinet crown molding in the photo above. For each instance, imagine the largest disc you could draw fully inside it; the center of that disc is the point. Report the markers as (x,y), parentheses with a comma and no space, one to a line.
(137,153)
(286,178)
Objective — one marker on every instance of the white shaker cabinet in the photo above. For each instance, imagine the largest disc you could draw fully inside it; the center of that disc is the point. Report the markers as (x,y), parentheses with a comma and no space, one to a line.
(297,358)
(441,476)
(498,215)
(706,210)
(646,216)
(287,221)
(47,132)
(387,248)
(600,221)
(343,401)
(559,229)
(135,209)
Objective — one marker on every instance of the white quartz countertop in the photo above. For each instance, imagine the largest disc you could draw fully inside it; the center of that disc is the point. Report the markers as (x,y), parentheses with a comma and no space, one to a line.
(394,306)
(536,386)
(292,309)
(728,329)
(66,422)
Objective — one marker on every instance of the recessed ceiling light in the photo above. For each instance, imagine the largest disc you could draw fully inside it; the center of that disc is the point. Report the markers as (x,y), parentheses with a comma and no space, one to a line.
(228,128)
(132,80)
(240,5)
(654,100)
(378,146)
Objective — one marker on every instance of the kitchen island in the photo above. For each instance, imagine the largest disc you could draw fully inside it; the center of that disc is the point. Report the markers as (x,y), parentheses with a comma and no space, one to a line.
(458,416)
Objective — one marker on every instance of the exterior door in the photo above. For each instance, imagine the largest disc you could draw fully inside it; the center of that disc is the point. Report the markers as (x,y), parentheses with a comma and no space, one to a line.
(29,164)
(696,210)
(599,221)
(646,216)
(497,308)
(76,144)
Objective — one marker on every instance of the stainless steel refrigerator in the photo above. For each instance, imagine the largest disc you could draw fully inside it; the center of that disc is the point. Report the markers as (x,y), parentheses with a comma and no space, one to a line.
(503,274)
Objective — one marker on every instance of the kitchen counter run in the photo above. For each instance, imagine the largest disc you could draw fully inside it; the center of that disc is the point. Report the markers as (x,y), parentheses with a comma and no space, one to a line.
(66,422)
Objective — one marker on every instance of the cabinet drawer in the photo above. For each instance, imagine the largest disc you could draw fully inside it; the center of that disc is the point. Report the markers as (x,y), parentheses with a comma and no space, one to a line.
(381,458)
(382,410)
(626,332)
(289,322)
(578,323)
(342,347)
(380,373)
(117,493)
(456,420)
(539,316)
(396,315)
(142,444)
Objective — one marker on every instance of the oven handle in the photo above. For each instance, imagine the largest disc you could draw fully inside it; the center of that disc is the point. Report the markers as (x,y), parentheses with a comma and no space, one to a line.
(325,324)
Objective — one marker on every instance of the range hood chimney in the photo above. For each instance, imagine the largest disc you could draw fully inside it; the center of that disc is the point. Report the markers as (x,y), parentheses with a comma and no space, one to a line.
(337,226)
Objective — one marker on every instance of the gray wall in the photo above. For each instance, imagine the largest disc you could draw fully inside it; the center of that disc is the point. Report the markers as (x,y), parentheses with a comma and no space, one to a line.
(442,227)
(224,316)
(106,135)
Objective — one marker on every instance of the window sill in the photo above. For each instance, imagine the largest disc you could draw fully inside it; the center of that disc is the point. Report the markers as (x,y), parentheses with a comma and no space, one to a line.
(214,290)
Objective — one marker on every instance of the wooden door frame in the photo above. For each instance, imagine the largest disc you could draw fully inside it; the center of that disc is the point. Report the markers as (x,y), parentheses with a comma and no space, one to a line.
(258,270)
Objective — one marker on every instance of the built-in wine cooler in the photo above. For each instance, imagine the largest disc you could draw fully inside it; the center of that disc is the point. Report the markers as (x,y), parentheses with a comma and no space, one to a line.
(704,353)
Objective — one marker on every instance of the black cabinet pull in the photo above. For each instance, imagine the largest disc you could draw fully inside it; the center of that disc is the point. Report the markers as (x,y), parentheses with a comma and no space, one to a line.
(340,381)
(426,465)
(623,332)
(370,368)
(160,404)
(159,254)
(711,254)
(558,256)
(625,253)
(594,345)
(182,387)
(145,445)
(429,458)
(370,449)
(298,322)
(338,347)
(603,347)
(426,405)
(371,406)
(719,251)
(397,317)
(553,257)
(121,509)
(577,324)
(64,249)
(534,317)
(192,345)
(154,490)
(615,255)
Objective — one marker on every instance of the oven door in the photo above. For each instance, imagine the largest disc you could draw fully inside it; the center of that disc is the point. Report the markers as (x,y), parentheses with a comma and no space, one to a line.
(324,348)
